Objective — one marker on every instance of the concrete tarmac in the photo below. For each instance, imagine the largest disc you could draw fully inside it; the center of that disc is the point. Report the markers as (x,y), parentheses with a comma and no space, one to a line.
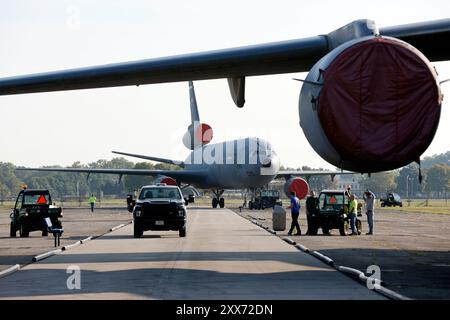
(224,256)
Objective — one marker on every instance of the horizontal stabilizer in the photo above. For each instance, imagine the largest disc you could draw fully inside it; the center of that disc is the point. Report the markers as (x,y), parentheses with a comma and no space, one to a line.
(162,160)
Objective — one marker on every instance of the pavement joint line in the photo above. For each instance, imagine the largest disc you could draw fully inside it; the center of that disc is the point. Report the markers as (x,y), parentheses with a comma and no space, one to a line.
(10,270)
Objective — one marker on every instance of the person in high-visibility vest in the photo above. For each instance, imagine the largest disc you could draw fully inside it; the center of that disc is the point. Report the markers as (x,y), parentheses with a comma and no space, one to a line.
(92,200)
(352,211)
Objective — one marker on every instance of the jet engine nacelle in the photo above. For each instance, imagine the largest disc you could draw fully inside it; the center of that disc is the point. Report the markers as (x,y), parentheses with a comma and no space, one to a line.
(372,104)
(165,179)
(197,135)
(298,185)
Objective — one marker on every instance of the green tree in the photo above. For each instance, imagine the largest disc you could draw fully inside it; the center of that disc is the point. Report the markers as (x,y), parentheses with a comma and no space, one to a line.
(437,178)
(380,183)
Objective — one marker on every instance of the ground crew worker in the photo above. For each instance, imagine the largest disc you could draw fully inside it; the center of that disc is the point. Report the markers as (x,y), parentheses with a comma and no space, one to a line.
(92,200)
(312,206)
(369,198)
(352,211)
(295,212)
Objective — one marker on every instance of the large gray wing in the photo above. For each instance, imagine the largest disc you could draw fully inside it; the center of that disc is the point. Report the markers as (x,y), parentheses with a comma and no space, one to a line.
(311,173)
(271,58)
(185,176)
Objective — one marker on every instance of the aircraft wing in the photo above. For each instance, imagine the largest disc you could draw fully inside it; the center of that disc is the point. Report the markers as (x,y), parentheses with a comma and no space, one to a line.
(235,64)
(311,173)
(186,176)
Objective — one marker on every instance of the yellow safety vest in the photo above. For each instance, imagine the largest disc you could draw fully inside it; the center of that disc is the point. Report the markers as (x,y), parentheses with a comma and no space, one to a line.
(353,207)
(92,199)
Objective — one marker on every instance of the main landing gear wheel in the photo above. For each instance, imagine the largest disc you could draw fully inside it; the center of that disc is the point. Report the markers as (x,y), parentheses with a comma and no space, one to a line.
(215,202)
(222,202)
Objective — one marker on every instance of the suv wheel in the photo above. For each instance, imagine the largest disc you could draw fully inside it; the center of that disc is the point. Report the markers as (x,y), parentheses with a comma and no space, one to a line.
(182,232)
(137,231)
(12,230)
(24,233)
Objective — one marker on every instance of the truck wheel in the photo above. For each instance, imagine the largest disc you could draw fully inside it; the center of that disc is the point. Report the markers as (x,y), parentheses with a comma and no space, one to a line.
(12,231)
(383,204)
(250,205)
(182,232)
(44,233)
(137,231)
(24,233)
(215,202)
(325,231)
(222,202)
(343,228)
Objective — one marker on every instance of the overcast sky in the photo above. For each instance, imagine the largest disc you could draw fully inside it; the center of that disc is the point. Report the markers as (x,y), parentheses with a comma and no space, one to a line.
(85,125)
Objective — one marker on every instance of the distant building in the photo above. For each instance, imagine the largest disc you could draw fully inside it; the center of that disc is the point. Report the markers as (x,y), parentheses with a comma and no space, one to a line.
(349,180)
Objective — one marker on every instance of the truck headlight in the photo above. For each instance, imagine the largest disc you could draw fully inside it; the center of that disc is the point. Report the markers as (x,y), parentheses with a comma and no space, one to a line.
(180,212)
(137,212)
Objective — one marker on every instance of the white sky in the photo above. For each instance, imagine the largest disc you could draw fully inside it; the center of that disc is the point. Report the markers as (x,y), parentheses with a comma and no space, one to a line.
(85,125)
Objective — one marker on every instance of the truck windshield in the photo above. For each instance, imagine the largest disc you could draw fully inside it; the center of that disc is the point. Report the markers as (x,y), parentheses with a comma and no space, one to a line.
(331,201)
(36,199)
(160,193)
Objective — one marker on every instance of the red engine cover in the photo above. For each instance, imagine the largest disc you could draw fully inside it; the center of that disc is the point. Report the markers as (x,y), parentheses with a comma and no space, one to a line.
(167,180)
(380,104)
(299,186)
(204,133)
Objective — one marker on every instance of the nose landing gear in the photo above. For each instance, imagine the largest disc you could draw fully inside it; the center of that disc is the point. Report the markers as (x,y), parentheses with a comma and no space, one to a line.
(218,200)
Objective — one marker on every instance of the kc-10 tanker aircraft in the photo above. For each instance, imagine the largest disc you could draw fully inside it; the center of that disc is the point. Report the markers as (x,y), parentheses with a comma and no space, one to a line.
(244,163)
(371,100)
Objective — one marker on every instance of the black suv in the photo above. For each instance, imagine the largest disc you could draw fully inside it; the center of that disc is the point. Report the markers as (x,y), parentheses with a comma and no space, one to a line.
(30,210)
(158,207)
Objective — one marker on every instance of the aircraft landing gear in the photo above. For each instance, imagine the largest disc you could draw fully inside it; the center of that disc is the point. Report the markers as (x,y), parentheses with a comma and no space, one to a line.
(218,199)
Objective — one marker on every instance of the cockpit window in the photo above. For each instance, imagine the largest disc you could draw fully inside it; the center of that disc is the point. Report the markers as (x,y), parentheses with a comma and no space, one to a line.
(160,193)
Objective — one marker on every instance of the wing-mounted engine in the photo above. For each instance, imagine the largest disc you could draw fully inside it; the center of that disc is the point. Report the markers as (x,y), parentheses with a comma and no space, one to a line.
(371,104)
(197,134)
(298,185)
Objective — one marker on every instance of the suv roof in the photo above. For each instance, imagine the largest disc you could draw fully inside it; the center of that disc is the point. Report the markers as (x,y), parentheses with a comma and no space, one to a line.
(35,191)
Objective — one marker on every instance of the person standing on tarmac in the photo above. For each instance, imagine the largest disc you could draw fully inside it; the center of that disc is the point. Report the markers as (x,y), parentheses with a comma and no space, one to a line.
(369,198)
(295,212)
(352,212)
(92,199)
(312,205)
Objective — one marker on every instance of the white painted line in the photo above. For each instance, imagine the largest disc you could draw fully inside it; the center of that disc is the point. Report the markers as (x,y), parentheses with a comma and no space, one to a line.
(10,270)
(64,248)
(117,227)
(86,240)
(45,255)
(302,247)
(322,257)
(289,240)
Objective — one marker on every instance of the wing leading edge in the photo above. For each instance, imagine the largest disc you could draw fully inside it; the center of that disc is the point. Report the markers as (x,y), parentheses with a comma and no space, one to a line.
(271,58)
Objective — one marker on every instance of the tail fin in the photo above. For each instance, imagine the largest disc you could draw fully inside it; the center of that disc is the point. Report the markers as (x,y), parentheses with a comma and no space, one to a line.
(195,117)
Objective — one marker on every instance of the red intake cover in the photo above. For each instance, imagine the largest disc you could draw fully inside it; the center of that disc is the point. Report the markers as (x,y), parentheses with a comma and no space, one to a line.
(380,104)
(204,133)
(169,181)
(300,187)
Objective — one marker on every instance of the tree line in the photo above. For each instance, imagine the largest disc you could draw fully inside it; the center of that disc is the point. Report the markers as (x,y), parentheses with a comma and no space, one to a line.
(405,181)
